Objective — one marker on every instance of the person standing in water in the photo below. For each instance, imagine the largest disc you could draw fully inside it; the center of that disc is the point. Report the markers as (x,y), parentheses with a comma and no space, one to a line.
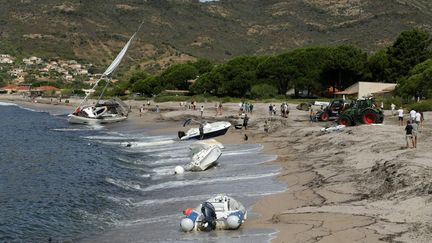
(202,110)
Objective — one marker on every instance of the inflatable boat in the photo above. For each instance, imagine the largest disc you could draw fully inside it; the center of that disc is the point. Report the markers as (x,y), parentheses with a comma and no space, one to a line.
(217,213)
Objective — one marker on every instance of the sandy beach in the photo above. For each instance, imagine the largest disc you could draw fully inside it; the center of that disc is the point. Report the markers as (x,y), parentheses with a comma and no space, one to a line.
(355,185)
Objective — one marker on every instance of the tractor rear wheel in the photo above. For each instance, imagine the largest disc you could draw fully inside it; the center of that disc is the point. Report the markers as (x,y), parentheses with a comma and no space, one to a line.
(369,117)
(344,120)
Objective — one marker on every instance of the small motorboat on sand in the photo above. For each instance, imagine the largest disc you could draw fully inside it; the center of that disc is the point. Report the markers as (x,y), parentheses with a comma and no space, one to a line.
(217,213)
(208,130)
(204,154)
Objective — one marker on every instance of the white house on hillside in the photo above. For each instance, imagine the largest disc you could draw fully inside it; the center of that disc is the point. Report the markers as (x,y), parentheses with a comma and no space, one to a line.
(367,89)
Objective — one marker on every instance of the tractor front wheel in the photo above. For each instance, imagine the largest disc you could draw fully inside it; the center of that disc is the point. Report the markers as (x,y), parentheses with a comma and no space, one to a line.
(324,116)
(369,117)
(344,120)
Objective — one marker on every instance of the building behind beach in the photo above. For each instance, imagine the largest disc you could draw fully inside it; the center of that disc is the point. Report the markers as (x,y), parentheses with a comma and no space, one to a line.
(364,89)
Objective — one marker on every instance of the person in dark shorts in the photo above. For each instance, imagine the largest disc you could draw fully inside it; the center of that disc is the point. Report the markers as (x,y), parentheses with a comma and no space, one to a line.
(409,134)
(245,121)
(400,115)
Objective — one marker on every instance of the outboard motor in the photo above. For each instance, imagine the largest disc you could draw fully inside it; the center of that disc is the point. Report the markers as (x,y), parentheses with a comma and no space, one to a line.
(209,214)
(181,134)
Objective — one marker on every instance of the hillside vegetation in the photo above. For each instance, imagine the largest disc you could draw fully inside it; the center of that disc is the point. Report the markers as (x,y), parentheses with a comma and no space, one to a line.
(180,30)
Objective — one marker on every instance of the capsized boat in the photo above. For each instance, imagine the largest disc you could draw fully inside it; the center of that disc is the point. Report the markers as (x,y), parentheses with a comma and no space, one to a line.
(209,130)
(106,112)
(217,213)
(204,154)
(110,111)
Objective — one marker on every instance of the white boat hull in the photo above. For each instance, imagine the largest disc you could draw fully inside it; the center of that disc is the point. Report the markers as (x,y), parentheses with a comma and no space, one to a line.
(101,120)
(204,159)
(210,130)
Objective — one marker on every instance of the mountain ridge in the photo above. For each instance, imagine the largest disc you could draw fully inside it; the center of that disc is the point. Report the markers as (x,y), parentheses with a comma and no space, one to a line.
(180,30)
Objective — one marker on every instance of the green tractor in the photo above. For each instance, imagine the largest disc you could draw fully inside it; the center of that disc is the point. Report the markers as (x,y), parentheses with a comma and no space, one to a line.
(362,112)
(332,111)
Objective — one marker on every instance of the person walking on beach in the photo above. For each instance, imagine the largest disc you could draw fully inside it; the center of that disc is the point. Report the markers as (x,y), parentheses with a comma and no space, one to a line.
(287,110)
(393,107)
(141,110)
(418,118)
(216,109)
(409,134)
(311,114)
(201,131)
(412,115)
(270,108)
(251,108)
(266,127)
(220,108)
(400,116)
(157,109)
(421,119)
(245,121)
(415,130)
(202,110)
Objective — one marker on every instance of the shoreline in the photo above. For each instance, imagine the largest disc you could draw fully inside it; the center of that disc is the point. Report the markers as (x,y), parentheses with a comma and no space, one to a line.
(354,185)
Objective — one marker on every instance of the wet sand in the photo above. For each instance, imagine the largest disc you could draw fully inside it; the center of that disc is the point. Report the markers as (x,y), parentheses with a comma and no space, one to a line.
(356,185)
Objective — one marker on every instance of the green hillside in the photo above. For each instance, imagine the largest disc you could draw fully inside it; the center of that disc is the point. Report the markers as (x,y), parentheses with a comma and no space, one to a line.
(178,30)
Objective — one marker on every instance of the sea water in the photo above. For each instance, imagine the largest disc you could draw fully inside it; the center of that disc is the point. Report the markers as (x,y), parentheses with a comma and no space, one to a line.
(114,183)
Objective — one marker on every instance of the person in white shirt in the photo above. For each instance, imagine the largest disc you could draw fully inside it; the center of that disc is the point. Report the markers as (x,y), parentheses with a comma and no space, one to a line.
(393,107)
(202,110)
(412,115)
(400,115)
(418,118)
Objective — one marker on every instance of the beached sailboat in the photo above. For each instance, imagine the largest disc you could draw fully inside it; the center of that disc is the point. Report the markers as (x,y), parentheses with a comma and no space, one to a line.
(110,111)
(220,212)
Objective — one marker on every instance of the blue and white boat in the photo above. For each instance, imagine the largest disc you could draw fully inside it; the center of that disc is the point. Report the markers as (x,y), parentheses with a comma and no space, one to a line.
(209,130)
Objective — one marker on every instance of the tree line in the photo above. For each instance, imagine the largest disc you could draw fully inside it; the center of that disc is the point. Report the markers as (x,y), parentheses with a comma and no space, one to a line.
(407,61)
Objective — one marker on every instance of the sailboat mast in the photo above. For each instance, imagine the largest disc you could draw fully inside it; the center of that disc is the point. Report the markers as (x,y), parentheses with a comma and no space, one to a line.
(109,71)
(103,91)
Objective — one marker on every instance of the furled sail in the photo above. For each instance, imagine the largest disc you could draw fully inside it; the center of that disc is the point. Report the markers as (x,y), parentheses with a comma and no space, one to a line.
(110,70)
(118,59)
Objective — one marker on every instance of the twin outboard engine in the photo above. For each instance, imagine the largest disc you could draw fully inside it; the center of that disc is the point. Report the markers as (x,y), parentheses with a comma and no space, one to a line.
(209,214)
